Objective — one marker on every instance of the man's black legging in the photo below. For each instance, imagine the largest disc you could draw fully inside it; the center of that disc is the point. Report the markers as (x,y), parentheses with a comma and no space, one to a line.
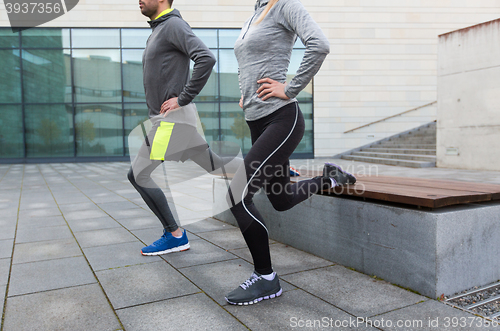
(274,138)
(139,176)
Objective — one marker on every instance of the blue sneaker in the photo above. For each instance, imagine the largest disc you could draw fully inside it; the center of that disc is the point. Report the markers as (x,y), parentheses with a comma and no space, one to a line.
(167,244)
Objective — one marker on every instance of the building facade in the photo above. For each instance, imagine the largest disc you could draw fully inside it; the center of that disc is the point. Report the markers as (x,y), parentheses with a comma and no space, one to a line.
(72,88)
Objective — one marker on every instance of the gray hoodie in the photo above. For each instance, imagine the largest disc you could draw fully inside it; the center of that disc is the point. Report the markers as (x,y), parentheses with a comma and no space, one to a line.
(264,51)
(169,48)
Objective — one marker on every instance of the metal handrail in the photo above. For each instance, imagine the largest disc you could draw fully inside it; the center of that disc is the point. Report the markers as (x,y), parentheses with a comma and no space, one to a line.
(384,119)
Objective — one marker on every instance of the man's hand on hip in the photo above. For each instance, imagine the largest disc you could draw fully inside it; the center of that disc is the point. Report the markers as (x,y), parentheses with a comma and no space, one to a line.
(169,106)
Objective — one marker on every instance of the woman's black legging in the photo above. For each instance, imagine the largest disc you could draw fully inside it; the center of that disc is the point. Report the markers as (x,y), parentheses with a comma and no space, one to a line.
(274,138)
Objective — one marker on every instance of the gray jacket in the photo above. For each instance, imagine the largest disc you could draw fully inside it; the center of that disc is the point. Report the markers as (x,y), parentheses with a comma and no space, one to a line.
(264,50)
(169,48)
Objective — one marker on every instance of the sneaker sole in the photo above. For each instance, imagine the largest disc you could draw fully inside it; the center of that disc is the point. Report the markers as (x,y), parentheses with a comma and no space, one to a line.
(172,250)
(272,296)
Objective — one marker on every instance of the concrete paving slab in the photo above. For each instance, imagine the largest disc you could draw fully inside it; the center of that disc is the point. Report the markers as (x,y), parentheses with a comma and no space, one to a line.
(46,250)
(148,236)
(295,309)
(10,212)
(193,312)
(201,252)
(39,213)
(287,259)
(108,198)
(93,224)
(42,234)
(136,212)
(353,292)
(144,283)
(207,225)
(104,237)
(139,223)
(430,316)
(6,247)
(3,289)
(8,228)
(227,239)
(40,222)
(77,308)
(220,278)
(84,214)
(49,275)
(67,208)
(37,205)
(118,255)
(4,271)
(69,199)
(113,206)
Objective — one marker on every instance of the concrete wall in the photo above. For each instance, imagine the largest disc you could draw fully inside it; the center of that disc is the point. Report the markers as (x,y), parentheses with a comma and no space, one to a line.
(383,54)
(469,98)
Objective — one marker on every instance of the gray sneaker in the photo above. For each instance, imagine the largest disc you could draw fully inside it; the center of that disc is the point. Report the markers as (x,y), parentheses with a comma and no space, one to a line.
(254,290)
(341,177)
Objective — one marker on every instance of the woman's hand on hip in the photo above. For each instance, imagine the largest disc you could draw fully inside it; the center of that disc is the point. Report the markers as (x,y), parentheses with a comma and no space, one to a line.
(271,88)
(241,102)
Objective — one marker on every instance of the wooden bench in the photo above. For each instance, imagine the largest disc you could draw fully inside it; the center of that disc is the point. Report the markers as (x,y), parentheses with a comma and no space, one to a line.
(430,193)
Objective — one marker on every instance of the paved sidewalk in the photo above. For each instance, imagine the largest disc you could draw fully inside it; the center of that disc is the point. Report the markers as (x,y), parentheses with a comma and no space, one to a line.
(70,240)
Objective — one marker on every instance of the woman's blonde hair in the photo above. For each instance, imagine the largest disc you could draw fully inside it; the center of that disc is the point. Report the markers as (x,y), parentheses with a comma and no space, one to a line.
(270,5)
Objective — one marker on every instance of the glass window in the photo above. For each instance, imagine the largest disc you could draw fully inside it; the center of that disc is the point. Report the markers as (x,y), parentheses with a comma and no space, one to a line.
(306,144)
(11,131)
(299,44)
(227,38)
(133,87)
(10,76)
(45,38)
(49,130)
(135,114)
(210,91)
(97,75)
(8,38)
(47,76)
(99,130)
(208,36)
(228,75)
(307,93)
(95,38)
(234,127)
(209,118)
(135,38)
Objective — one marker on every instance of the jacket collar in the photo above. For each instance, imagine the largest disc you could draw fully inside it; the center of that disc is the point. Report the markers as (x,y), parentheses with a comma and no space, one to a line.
(163,18)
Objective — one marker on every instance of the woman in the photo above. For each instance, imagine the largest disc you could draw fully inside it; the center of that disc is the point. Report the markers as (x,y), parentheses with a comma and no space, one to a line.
(263,51)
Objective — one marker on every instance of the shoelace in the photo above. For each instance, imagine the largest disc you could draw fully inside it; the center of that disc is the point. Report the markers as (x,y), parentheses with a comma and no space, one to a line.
(250,281)
(160,241)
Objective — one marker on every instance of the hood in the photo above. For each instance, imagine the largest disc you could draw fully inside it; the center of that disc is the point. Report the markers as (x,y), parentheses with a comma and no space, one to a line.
(260,3)
(175,12)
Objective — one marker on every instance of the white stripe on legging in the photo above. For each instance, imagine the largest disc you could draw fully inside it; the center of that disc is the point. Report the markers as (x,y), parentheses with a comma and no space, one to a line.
(246,186)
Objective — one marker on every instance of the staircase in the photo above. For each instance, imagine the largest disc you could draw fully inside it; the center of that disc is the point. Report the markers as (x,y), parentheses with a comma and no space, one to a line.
(414,149)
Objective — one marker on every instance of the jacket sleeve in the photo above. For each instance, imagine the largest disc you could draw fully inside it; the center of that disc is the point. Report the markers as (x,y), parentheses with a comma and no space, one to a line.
(293,16)
(183,38)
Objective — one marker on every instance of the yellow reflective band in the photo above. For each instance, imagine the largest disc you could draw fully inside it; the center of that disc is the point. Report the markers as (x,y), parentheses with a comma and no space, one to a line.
(165,12)
(161,140)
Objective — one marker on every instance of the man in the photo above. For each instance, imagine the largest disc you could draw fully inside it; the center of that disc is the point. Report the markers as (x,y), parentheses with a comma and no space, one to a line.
(169,93)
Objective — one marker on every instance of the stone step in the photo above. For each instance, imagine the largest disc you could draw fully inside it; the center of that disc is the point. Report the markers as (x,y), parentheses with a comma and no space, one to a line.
(401,151)
(404,145)
(395,162)
(411,157)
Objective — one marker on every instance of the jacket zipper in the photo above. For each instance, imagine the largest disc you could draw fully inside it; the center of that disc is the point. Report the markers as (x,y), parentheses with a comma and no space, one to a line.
(249,24)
